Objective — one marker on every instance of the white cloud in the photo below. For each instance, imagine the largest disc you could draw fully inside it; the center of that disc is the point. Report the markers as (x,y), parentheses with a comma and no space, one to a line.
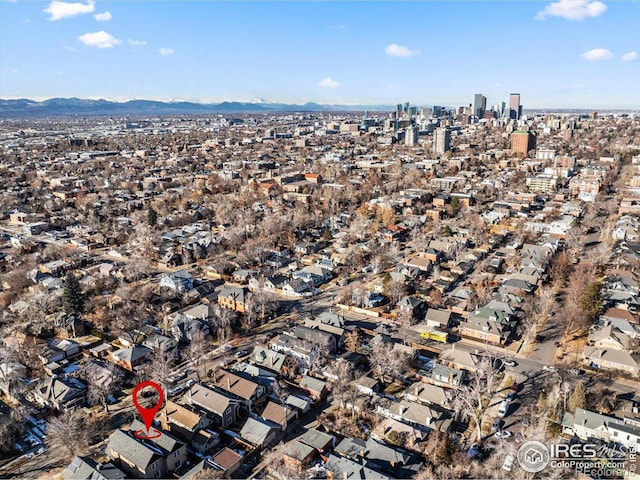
(572,9)
(59,10)
(396,50)
(136,43)
(630,57)
(166,51)
(99,39)
(597,54)
(328,83)
(102,17)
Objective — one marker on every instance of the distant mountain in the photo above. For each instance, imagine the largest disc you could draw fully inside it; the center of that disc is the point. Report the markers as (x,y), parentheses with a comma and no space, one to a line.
(53,107)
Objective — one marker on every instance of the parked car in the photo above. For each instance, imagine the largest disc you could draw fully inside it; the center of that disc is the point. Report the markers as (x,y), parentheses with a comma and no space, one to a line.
(475,451)
(241,353)
(190,383)
(504,409)
(510,396)
(549,368)
(176,390)
(509,362)
(503,434)
(508,462)
(497,425)
(574,371)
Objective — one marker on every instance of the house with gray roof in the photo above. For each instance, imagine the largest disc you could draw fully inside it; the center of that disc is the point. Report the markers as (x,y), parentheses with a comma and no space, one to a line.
(135,457)
(379,457)
(140,457)
(446,376)
(85,468)
(429,394)
(261,433)
(268,359)
(223,410)
(60,393)
(344,468)
(438,318)
(612,359)
(587,425)
(181,281)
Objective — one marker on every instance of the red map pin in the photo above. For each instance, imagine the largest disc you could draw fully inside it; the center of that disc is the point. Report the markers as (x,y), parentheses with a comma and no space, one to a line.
(147,414)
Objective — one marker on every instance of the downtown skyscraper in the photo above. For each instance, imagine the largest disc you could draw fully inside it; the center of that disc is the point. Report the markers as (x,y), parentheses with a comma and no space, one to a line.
(515,109)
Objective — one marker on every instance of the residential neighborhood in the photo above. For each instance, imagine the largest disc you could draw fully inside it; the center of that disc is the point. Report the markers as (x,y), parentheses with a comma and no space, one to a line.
(317,294)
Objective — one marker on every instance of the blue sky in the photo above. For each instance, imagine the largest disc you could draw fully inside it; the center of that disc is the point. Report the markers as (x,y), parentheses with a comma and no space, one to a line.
(567,53)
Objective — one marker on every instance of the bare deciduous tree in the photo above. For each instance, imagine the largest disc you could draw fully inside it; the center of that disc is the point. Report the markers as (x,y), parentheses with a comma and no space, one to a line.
(69,430)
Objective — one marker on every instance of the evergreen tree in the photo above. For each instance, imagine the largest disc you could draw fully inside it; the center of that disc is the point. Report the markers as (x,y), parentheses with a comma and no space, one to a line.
(578,398)
(455,206)
(152,217)
(73,299)
(591,300)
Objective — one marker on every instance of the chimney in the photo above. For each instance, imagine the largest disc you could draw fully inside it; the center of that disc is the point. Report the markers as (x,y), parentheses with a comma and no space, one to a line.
(344,475)
(228,383)
(417,390)
(451,379)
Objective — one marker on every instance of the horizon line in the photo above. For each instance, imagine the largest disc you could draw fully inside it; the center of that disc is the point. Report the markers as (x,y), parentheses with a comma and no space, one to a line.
(260,101)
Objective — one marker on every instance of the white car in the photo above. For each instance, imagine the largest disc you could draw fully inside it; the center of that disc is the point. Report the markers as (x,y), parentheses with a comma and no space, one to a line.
(509,362)
(508,462)
(549,368)
(503,434)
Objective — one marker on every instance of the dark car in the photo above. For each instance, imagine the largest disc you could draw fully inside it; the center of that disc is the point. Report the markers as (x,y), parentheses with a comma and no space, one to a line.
(497,425)
(515,388)
(475,451)
(539,338)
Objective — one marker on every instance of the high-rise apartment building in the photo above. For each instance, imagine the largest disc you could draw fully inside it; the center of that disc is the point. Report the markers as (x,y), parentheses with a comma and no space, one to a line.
(515,110)
(441,140)
(411,136)
(522,141)
(479,105)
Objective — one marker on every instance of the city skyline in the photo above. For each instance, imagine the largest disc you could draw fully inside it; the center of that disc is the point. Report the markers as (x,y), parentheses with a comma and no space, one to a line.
(568,54)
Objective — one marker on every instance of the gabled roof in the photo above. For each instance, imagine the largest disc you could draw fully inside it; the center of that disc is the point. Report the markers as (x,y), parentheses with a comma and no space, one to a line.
(167,442)
(256,430)
(238,386)
(226,458)
(438,315)
(208,399)
(316,439)
(133,449)
(181,416)
(59,390)
(313,384)
(85,468)
(132,354)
